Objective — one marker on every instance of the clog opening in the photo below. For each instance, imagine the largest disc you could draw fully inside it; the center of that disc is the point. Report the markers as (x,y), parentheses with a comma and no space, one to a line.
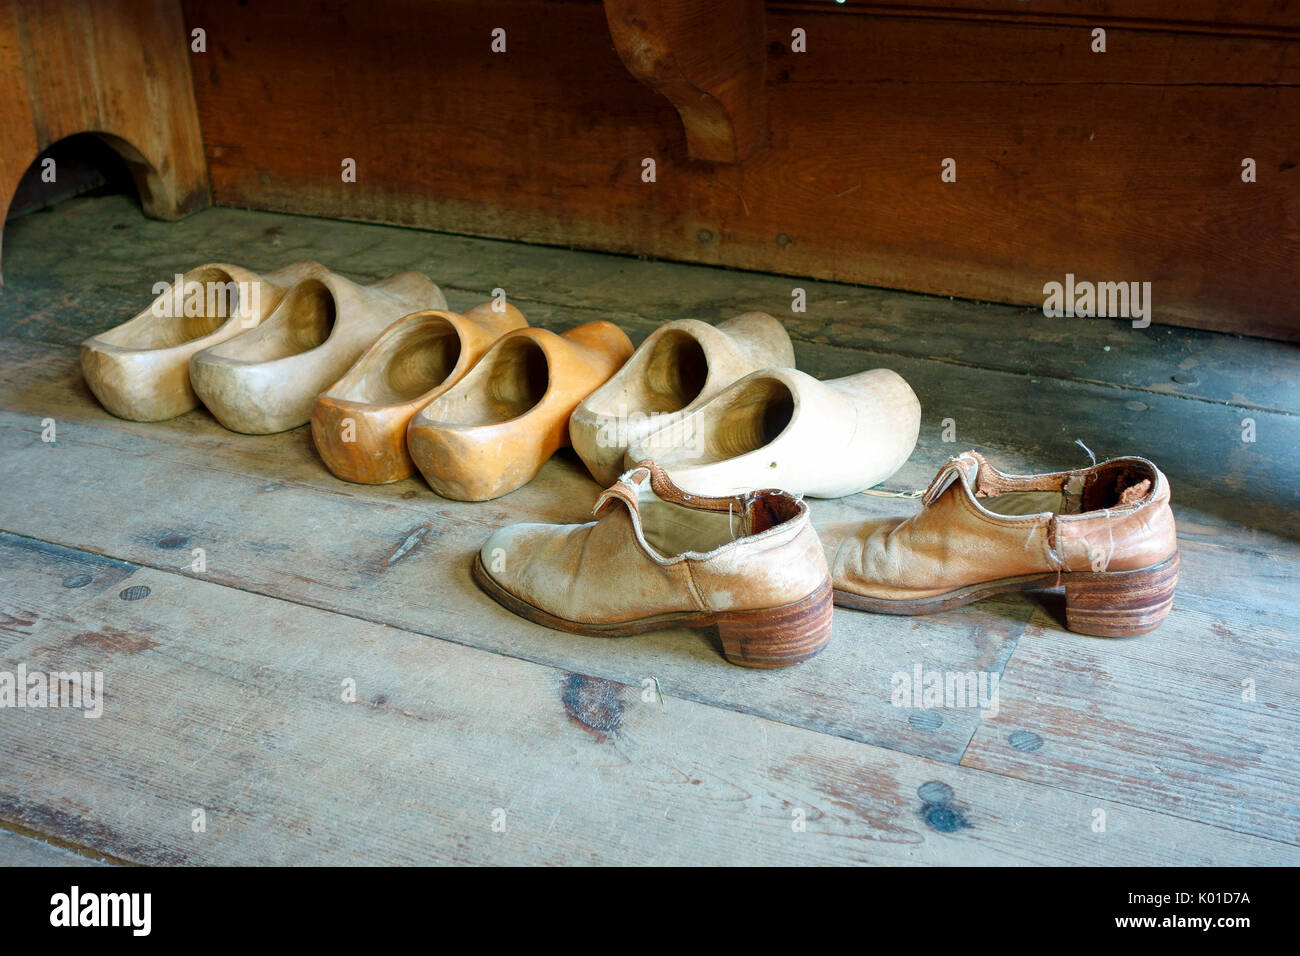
(675,373)
(507,382)
(302,321)
(414,361)
(198,305)
(752,419)
(420,364)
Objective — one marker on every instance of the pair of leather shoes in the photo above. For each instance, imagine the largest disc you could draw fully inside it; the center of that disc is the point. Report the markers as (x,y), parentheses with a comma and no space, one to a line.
(723,410)
(752,564)
(255,349)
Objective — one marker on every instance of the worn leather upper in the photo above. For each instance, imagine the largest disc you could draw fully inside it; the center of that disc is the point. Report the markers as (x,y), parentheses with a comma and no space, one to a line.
(654,549)
(978,524)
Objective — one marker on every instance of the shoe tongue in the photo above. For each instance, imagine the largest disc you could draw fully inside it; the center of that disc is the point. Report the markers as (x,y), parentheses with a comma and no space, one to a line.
(966,464)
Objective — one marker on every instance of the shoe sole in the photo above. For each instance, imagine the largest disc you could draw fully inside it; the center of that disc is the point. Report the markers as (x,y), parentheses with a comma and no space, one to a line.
(1098,603)
(766,638)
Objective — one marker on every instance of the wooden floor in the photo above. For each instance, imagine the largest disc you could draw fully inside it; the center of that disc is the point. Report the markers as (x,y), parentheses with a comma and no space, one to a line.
(225,689)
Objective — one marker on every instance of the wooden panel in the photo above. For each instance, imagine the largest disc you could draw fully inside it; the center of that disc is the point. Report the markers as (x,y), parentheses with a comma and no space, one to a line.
(1216,16)
(1116,167)
(443,740)
(116,68)
(18,129)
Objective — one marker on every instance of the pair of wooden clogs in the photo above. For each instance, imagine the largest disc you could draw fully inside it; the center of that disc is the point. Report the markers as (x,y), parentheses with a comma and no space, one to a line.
(478,402)
(255,349)
(723,411)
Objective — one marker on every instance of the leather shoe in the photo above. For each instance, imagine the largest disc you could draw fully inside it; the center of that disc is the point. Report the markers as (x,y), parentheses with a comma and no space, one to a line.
(656,557)
(1104,533)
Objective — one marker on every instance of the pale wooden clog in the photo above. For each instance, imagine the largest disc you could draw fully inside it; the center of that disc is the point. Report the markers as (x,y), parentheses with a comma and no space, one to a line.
(140,370)
(678,368)
(267,380)
(780,428)
(359,423)
(492,431)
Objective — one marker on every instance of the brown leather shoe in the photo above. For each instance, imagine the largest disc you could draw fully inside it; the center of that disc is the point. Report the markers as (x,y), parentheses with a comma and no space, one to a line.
(1104,533)
(656,557)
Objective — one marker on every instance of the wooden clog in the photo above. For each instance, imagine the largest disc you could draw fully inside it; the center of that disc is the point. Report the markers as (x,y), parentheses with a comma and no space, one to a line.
(492,431)
(781,428)
(679,367)
(359,424)
(141,369)
(267,379)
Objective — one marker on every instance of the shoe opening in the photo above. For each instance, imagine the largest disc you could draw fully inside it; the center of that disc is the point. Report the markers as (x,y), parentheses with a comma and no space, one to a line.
(768,510)
(1117,485)
(507,382)
(302,321)
(1114,485)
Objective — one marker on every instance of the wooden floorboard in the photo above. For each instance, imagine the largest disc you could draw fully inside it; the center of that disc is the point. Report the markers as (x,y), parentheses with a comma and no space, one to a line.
(405,563)
(1185,726)
(248,723)
(126,502)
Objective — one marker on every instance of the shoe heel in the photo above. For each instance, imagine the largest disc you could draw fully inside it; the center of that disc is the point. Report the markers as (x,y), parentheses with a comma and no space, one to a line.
(1120,603)
(778,636)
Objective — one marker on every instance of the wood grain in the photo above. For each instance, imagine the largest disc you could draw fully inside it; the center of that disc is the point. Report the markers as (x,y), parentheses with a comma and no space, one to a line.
(707,58)
(442,741)
(1123,166)
(18,849)
(1254,17)
(1178,735)
(392,558)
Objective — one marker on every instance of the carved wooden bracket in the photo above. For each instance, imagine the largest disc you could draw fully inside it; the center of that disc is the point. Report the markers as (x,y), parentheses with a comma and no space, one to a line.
(707,57)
